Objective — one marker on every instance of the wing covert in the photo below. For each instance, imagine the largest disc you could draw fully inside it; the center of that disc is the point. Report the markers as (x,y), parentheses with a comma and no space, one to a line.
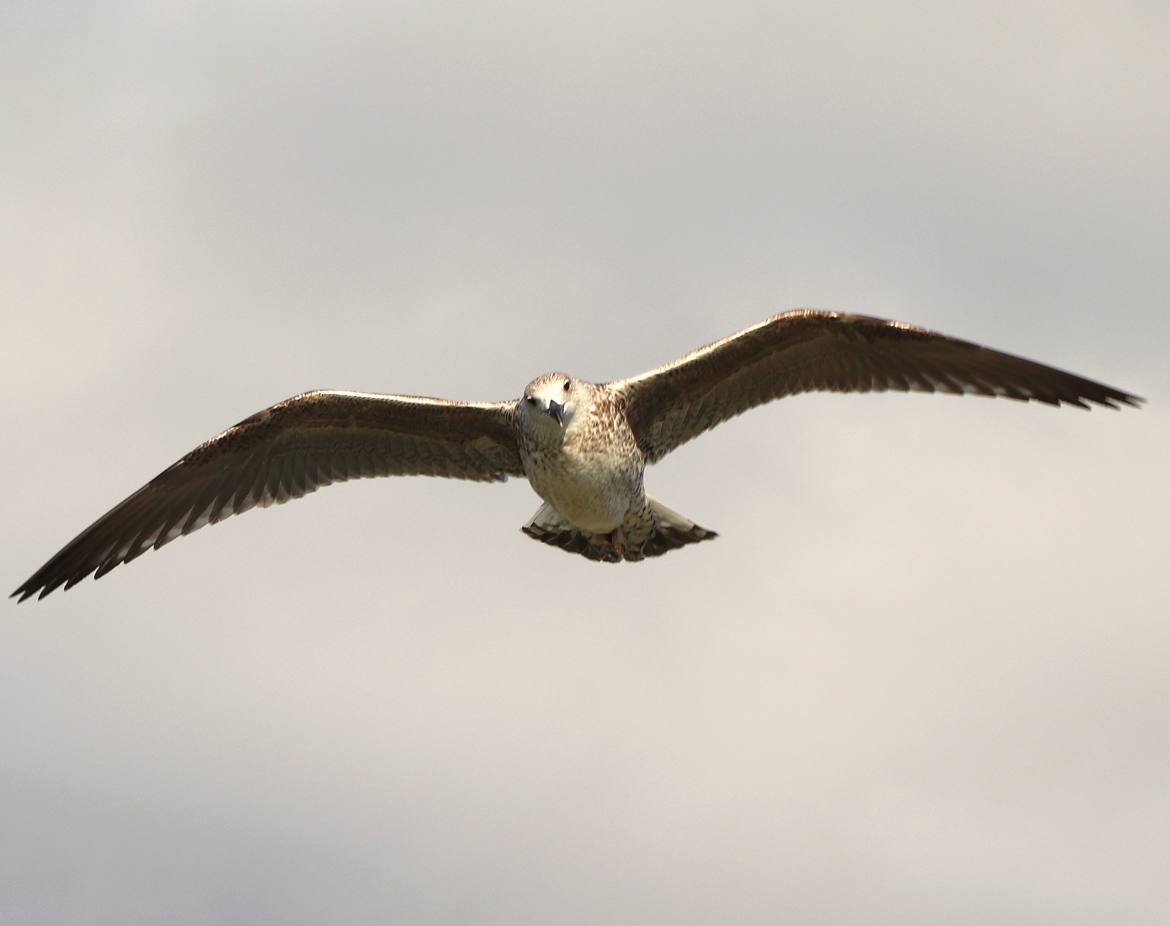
(811,350)
(286,451)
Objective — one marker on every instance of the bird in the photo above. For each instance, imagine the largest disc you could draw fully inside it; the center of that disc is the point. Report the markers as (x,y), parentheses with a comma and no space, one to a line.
(584,447)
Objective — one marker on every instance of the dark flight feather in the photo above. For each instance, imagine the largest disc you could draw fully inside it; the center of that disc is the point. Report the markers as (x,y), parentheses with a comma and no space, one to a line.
(284,452)
(809,350)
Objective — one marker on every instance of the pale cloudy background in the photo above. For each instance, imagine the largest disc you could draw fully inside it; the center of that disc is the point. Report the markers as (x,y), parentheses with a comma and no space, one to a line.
(922,676)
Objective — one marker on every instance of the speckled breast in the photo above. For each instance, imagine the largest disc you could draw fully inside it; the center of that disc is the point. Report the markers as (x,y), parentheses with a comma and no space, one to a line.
(594,478)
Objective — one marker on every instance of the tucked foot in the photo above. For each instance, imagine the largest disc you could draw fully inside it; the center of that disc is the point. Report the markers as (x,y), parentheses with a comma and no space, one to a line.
(617,539)
(651,532)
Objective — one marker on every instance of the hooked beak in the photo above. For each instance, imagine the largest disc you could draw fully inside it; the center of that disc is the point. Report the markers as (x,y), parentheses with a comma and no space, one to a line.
(556,410)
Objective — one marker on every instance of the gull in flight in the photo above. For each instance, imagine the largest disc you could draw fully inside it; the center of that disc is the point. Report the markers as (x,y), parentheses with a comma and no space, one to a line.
(582,446)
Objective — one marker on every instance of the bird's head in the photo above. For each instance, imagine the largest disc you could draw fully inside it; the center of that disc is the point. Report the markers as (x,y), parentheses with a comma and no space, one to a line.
(548,405)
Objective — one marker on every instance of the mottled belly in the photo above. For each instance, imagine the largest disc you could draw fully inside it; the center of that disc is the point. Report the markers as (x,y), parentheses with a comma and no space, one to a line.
(590,495)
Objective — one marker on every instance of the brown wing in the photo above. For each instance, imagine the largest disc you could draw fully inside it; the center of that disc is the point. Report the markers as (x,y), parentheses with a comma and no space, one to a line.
(284,452)
(808,350)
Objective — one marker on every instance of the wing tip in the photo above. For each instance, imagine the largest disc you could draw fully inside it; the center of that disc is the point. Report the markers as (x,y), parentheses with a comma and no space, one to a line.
(1113,399)
(29,588)
(40,584)
(27,591)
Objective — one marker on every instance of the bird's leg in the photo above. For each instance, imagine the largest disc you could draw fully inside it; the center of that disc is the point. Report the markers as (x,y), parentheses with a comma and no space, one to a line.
(617,540)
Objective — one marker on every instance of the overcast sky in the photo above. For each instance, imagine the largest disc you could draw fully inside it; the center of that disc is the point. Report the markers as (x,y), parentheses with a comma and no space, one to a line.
(920,677)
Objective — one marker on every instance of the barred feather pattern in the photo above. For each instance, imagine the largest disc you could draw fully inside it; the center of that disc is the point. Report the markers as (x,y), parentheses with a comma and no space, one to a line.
(284,452)
(810,350)
(651,530)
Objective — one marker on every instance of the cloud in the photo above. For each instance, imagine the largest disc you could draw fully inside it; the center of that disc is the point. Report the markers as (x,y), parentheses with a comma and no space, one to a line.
(922,669)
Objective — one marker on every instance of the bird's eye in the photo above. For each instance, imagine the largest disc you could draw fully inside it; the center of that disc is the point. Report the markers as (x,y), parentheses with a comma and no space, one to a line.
(566,385)
(531,400)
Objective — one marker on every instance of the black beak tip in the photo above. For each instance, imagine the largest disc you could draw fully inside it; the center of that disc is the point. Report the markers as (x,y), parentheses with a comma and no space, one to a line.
(556,410)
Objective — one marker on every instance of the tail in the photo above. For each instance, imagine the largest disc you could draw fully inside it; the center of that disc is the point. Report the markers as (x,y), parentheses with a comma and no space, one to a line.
(652,531)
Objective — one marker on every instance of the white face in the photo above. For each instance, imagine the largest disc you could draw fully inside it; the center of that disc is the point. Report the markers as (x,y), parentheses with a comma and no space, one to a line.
(548,403)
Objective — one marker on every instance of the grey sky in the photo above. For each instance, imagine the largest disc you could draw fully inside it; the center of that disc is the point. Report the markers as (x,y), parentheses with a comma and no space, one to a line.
(920,677)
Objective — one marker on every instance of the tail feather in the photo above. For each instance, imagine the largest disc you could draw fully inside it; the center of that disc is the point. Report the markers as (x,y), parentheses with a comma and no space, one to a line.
(653,531)
(669,531)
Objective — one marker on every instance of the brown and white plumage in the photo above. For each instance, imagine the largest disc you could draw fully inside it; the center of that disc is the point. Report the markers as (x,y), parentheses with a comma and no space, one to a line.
(583,446)
(809,351)
(288,450)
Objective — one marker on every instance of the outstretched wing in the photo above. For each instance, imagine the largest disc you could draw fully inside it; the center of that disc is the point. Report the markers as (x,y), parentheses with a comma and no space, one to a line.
(809,350)
(284,452)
